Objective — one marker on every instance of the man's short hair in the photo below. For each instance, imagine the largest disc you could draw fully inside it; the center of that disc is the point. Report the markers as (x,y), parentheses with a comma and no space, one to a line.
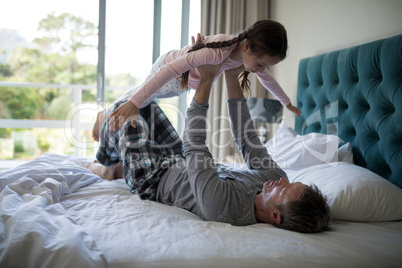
(310,213)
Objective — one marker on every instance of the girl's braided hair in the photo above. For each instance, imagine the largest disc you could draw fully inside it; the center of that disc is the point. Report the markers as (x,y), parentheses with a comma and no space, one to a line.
(265,37)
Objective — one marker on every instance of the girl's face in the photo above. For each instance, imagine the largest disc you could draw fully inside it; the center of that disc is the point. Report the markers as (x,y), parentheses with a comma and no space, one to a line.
(255,64)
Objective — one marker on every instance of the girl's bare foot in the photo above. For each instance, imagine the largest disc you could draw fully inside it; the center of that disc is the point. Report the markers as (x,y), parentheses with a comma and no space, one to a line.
(100,119)
(106,173)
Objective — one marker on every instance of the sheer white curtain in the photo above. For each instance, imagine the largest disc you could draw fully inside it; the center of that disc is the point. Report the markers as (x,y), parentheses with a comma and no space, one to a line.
(231,17)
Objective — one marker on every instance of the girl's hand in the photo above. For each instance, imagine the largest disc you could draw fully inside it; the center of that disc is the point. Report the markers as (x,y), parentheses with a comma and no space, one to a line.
(122,114)
(200,38)
(293,109)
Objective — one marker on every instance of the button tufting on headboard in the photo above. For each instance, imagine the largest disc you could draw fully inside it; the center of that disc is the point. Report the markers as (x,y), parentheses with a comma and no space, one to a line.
(356,93)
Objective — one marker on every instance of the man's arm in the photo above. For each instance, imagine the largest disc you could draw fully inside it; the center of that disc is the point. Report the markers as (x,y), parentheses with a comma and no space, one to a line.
(204,87)
(209,190)
(254,153)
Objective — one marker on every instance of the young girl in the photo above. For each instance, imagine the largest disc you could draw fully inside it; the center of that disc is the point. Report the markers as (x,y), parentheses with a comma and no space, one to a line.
(260,46)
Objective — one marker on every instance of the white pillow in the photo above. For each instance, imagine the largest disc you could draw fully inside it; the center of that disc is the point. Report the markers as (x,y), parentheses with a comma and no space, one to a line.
(354,193)
(344,154)
(292,151)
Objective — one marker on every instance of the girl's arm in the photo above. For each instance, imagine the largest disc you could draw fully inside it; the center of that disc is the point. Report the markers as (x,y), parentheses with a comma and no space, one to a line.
(269,82)
(162,76)
(176,68)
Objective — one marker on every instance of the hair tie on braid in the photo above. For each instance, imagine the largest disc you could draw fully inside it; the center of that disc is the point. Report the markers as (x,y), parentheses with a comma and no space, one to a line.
(248,33)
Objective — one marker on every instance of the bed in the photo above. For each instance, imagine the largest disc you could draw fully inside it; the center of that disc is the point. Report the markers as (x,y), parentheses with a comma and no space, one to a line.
(55,213)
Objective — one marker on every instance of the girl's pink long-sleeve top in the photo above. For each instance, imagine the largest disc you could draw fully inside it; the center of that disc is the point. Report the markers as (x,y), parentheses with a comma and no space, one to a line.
(179,61)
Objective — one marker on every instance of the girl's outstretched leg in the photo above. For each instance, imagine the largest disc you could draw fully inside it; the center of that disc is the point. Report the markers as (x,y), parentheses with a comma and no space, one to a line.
(106,173)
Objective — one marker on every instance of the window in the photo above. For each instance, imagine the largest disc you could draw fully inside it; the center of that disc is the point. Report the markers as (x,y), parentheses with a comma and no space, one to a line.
(173,12)
(130,50)
(53,75)
(43,72)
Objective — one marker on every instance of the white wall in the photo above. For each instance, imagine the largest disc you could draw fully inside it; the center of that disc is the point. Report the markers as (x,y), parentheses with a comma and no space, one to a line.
(319,26)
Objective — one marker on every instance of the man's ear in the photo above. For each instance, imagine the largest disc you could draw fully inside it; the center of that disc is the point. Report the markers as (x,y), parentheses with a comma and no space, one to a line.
(276,216)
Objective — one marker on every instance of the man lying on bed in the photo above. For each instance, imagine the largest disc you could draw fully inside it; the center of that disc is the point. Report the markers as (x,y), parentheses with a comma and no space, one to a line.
(158,166)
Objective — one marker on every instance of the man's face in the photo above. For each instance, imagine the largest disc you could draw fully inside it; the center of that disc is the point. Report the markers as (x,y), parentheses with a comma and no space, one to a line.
(279,192)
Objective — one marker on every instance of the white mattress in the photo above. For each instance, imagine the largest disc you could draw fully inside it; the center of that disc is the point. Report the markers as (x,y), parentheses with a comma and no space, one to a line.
(54,213)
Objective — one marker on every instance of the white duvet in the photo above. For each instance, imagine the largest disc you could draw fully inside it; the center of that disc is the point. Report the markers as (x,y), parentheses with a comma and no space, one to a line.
(55,213)
(36,230)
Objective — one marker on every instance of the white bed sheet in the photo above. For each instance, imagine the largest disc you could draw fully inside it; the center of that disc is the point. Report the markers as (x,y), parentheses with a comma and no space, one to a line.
(58,214)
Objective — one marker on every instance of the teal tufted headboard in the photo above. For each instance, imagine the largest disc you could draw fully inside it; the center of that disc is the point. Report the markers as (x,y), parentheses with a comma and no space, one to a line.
(356,93)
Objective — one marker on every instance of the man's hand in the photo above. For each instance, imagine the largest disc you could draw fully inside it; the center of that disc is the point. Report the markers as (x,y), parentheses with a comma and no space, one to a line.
(232,83)
(208,73)
(234,72)
(122,114)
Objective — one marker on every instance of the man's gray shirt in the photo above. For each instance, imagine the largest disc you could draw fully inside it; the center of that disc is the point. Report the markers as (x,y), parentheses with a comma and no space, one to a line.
(213,191)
